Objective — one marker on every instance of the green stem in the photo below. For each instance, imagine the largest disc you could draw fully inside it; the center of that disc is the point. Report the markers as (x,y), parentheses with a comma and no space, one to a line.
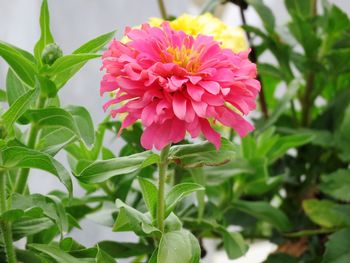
(6,226)
(162,166)
(308,101)
(21,181)
(162,9)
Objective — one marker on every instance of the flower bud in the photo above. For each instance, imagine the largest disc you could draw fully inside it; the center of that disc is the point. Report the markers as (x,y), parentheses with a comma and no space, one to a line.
(50,53)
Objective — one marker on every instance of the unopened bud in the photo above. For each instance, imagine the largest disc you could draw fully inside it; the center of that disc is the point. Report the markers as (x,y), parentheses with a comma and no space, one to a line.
(50,53)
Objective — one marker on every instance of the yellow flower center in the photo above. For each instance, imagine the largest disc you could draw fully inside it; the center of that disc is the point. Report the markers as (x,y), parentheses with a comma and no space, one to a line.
(185,57)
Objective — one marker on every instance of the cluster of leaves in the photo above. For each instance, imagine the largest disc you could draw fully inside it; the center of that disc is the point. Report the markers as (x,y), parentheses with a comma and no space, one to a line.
(287,182)
(312,53)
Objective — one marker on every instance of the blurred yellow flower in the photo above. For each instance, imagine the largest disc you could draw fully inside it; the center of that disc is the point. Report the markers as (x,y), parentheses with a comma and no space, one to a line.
(230,37)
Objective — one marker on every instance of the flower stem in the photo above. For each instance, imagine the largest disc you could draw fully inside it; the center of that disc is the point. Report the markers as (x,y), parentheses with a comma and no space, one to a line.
(6,226)
(162,166)
(21,181)
(162,9)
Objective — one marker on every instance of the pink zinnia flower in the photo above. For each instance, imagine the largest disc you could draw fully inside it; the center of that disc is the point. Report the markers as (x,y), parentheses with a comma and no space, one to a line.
(176,83)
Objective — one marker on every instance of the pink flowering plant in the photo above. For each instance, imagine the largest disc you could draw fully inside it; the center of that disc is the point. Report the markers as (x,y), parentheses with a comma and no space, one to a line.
(190,161)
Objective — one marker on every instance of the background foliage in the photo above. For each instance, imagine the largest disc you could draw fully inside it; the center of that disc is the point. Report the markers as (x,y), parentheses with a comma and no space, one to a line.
(288,182)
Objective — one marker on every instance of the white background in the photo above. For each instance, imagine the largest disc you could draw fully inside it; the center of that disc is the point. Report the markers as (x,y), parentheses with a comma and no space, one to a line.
(74,22)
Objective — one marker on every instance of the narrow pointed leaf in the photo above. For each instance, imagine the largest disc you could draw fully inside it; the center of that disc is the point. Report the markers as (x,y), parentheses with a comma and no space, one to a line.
(101,171)
(177,193)
(84,123)
(20,106)
(21,157)
(264,211)
(149,193)
(46,36)
(95,44)
(22,66)
(203,154)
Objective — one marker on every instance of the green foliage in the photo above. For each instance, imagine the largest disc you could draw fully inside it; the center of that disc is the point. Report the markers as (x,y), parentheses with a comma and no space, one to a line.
(287,180)
(337,248)
(266,212)
(173,242)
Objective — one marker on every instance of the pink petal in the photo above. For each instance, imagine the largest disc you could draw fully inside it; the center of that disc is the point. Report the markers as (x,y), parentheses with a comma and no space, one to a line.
(209,133)
(200,108)
(108,84)
(211,86)
(148,114)
(235,121)
(195,92)
(176,83)
(213,100)
(148,138)
(194,79)
(179,106)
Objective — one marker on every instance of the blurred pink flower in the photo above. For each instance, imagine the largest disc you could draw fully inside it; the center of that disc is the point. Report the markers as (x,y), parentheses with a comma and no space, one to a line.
(176,83)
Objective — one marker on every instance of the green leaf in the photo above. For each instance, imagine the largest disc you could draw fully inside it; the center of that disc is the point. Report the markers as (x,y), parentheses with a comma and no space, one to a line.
(265,14)
(199,177)
(95,44)
(154,256)
(78,122)
(203,154)
(21,66)
(338,247)
(281,257)
(302,29)
(103,257)
(46,36)
(62,219)
(15,87)
(172,223)
(65,63)
(124,250)
(342,136)
(149,193)
(285,143)
(91,46)
(327,213)
(338,60)
(52,140)
(30,226)
(65,67)
(20,157)
(263,185)
(268,69)
(337,185)
(54,252)
(234,244)
(299,7)
(177,193)
(101,171)
(292,89)
(178,247)
(265,212)
(37,205)
(129,219)
(84,123)
(3,96)
(27,256)
(20,106)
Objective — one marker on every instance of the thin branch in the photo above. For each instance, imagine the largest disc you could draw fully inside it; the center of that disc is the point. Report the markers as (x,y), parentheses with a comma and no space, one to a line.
(162,9)
(262,99)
